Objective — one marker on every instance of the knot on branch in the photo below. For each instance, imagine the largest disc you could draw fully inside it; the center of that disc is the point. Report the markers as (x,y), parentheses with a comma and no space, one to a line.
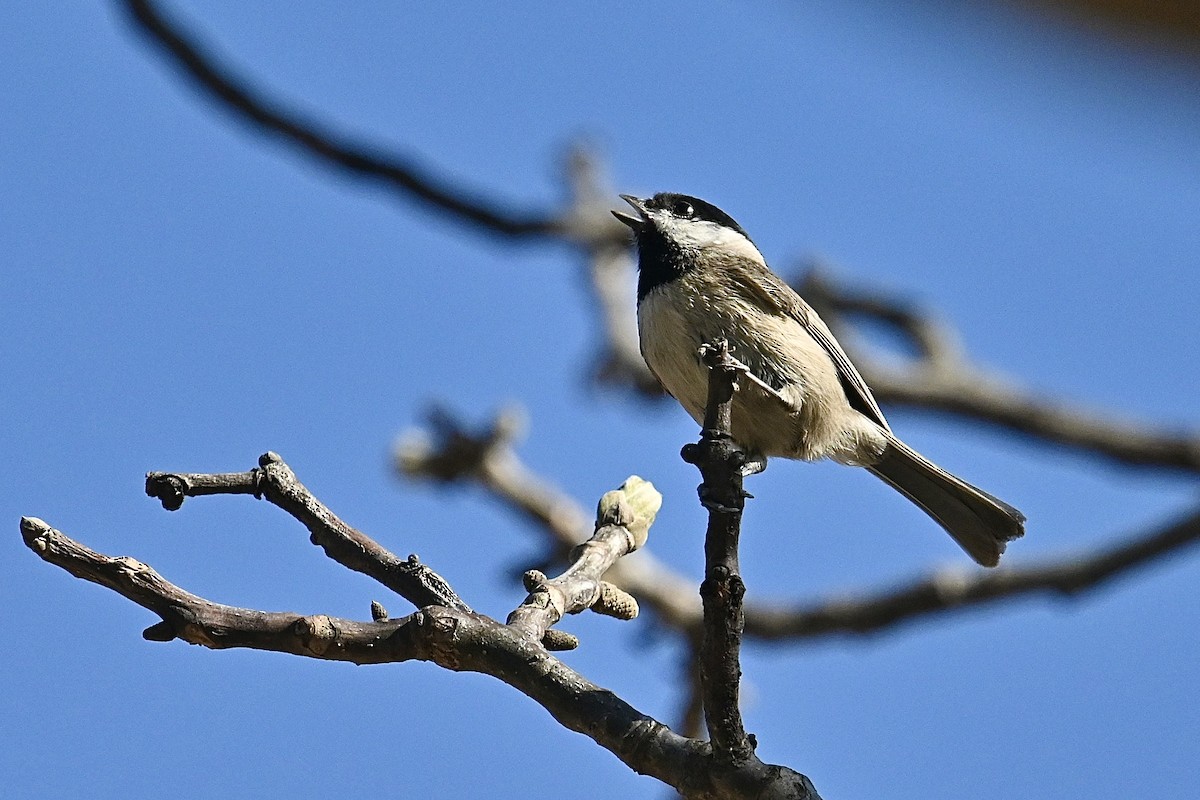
(317,633)
(433,586)
(723,586)
(169,489)
(439,631)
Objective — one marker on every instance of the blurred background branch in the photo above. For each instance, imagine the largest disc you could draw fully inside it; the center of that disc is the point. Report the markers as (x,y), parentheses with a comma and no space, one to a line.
(451,453)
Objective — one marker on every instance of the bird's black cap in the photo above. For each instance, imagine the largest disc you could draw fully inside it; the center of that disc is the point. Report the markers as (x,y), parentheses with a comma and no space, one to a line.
(683,206)
(688,207)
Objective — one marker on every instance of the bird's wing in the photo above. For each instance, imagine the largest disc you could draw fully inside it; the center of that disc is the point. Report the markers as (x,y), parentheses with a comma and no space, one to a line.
(772,294)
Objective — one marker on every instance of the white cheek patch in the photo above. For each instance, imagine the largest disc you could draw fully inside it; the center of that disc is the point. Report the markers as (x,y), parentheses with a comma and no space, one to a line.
(703,235)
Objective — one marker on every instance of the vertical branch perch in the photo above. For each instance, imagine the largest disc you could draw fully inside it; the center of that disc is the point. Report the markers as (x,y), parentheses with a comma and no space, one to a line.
(720,462)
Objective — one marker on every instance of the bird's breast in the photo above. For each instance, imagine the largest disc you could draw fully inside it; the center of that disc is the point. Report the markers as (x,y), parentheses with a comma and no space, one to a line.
(670,331)
(798,419)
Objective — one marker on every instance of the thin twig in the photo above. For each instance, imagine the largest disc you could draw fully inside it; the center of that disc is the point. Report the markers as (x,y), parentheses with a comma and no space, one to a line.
(275,481)
(456,453)
(623,521)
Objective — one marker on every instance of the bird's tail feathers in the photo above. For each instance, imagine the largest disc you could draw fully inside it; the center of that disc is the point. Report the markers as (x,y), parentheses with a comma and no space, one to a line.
(979,522)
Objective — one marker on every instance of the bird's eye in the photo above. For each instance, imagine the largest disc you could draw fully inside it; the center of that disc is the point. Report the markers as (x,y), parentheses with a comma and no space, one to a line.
(683,208)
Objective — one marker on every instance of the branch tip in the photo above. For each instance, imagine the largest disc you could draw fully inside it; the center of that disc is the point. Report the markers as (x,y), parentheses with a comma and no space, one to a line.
(623,519)
(633,506)
(160,632)
(170,490)
(34,532)
(533,579)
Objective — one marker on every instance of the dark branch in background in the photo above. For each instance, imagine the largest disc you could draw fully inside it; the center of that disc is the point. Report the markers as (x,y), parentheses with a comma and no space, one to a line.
(952,589)
(610,274)
(453,638)
(585,222)
(275,481)
(398,172)
(940,378)
(451,453)
(497,468)
(1169,22)
(720,462)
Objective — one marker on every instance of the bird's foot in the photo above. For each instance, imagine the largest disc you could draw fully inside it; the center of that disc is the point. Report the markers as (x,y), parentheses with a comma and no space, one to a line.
(755,463)
(715,500)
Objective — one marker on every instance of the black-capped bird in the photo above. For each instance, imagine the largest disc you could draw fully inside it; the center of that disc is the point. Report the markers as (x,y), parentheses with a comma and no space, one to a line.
(701,279)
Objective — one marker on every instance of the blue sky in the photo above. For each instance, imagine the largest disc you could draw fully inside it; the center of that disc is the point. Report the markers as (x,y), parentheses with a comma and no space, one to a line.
(182,294)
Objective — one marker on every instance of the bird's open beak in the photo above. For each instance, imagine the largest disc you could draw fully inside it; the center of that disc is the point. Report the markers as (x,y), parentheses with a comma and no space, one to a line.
(633,222)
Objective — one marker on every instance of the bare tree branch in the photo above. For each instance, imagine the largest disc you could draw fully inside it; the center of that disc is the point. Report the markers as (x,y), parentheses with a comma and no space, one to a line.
(953,589)
(671,596)
(940,378)
(720,462)
(275,481)
(456,454)
(622,524)
(199,621)
(400,173)
(454,639)
(611,272)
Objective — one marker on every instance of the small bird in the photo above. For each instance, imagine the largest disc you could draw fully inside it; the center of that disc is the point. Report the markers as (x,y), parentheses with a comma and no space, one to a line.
(701,279)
